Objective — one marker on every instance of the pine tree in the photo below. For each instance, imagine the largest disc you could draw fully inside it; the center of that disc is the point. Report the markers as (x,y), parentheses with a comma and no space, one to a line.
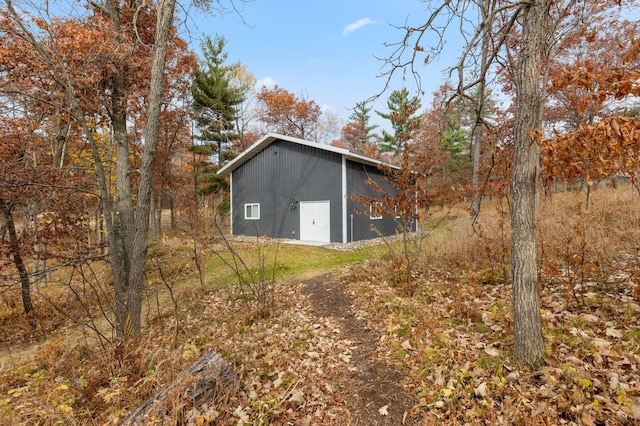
(404,121)
(360,117)
(455,139)
(216,101)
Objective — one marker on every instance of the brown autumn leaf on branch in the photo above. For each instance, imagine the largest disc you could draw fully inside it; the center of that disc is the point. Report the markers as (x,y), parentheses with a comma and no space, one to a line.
(286,113)
(607,148)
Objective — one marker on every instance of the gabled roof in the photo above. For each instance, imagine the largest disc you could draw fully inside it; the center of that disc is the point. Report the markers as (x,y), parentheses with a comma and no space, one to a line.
(269,138)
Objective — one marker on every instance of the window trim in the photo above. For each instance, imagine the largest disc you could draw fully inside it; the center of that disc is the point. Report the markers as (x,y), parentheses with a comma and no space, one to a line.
(251,205)
(371,216)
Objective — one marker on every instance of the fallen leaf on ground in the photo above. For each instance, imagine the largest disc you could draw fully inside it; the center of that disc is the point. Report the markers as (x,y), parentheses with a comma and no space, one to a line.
(491,351)
(406,345)
(481,390)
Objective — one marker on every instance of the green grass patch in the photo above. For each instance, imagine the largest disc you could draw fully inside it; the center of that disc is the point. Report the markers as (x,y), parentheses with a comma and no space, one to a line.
(480,328)
(281,261)
(487,363)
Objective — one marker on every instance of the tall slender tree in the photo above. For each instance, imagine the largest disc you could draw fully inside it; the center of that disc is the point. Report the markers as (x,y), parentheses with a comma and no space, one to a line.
(216,103)
(215,99)
(529,102)
(518,33)
(126,38)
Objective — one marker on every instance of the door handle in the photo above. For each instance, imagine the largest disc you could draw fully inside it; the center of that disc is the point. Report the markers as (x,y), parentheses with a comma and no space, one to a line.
(314,221)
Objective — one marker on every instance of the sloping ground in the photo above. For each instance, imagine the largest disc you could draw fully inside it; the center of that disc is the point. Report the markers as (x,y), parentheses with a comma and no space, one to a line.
(350,349)
(454,340)
(374,391)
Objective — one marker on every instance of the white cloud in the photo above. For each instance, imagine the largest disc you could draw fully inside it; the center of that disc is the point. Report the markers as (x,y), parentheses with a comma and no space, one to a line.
(266,81)
(357,25)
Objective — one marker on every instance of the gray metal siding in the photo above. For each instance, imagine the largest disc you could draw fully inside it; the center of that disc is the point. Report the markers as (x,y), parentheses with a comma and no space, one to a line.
(359,222)
(279,177)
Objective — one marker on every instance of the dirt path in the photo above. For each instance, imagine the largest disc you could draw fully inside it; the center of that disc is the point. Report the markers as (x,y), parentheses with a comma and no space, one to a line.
(372,384)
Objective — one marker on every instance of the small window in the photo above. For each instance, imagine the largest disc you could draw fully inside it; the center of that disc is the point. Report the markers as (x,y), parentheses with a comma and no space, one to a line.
(375,215)
(252,211)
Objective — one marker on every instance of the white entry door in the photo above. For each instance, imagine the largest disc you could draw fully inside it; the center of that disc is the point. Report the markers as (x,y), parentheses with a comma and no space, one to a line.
(315,221)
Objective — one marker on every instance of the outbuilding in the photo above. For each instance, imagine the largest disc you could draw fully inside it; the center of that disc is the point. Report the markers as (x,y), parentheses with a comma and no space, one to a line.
(285,187)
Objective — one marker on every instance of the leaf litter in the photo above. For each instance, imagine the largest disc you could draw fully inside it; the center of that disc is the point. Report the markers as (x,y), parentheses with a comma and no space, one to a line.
(459,363)
(351,349)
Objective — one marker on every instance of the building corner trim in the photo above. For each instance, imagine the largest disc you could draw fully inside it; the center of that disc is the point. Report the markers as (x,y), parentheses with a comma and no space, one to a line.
(344,199)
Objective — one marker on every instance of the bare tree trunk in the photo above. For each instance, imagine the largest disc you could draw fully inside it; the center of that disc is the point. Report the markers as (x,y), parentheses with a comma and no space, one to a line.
(529,342)
(99,228)
(123,215)
(153,217)
(156,215)
(174,213)
(159,203)
(9,222)
(39,270)
(478,128)
(165,10)
(39,266)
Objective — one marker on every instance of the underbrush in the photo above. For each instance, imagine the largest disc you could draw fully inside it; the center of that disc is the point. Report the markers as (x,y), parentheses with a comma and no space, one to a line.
(282,357)
(282,361)
(69,298)
(454,336)
(454,339)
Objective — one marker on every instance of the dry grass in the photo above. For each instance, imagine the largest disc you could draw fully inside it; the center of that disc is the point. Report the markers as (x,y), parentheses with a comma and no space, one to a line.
(569,235)
(458,323)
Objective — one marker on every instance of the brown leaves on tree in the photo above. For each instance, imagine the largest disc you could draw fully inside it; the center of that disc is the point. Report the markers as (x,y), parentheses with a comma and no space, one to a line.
(609,147)
(79,85)
(287,114)
(595,152)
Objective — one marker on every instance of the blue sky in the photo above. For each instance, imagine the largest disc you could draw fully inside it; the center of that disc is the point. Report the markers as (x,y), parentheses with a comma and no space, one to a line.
(324,50)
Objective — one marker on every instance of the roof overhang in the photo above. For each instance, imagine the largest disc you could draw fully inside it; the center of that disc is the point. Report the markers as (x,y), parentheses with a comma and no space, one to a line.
(269,138)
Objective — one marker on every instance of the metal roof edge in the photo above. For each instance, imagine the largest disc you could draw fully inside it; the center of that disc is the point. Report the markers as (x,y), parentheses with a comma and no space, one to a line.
(246,154)
(368,160)
(269,138)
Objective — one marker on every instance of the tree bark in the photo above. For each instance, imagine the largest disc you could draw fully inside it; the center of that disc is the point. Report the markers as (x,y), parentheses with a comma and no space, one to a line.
(208,379)
(529,342)
(478,128)
(155,215)
(174,213)
(123,203)
(165,11)
(27,303)
(118,211)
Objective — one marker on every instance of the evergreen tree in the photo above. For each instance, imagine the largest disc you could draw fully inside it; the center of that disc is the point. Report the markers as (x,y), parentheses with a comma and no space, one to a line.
(216,101)
(455,139)
(360,117)
(404,120)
